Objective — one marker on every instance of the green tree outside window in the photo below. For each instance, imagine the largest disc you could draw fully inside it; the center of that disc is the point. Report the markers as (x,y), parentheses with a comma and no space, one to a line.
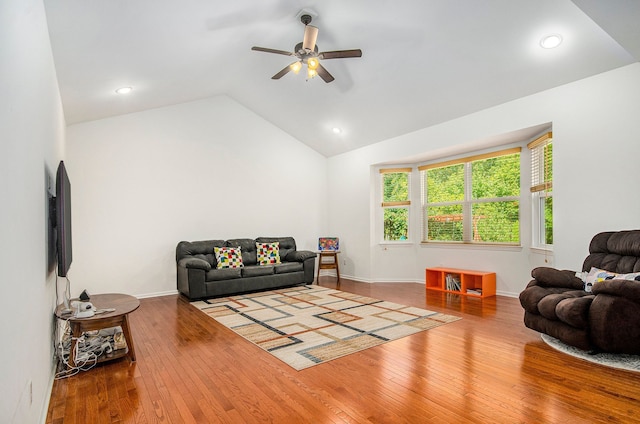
(395,203)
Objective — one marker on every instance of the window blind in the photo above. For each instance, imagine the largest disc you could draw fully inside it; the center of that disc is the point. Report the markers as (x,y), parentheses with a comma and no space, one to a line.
(541,160)
(395,190)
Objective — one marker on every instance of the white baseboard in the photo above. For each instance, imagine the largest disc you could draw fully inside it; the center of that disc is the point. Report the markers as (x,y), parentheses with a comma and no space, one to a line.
(507,294)
(397,280)
(367,280)
(158,294)
(47,400)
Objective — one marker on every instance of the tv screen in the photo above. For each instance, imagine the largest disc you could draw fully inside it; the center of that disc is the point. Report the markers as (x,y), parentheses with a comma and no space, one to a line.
(63,220)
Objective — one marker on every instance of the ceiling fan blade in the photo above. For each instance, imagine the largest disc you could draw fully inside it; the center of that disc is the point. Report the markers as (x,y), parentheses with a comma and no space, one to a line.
(266,50)
(284,71)
(338,54)
(310,37)
(324,74)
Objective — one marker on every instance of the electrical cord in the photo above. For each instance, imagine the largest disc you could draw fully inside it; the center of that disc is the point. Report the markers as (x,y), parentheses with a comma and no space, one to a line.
(88,348)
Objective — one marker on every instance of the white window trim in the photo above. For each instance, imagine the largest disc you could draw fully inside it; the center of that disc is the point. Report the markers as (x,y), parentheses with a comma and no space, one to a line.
(467,201)
(380,227)
(537,197)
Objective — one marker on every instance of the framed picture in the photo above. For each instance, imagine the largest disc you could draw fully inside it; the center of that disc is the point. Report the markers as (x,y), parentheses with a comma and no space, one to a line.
(329,243)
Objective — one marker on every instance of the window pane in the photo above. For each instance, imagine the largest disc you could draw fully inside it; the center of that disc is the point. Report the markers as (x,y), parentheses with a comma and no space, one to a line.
(396,223)
(496,177)
(496,222)
(445,184)
(444,223)
(548,220)
(395,187)
(474,201)
(548,164)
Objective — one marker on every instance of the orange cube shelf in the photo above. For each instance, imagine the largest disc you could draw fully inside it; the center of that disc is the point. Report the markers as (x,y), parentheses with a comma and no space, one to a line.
(461,281)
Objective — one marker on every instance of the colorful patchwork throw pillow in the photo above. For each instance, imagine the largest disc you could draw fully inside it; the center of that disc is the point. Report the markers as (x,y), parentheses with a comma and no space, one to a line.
(228,257)
(596,275)
(268,253)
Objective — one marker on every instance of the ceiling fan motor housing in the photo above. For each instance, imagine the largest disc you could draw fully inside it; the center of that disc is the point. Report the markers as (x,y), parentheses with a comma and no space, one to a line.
(304,54)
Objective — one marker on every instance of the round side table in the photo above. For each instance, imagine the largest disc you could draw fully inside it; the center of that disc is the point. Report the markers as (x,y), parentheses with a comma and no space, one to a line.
(123,305)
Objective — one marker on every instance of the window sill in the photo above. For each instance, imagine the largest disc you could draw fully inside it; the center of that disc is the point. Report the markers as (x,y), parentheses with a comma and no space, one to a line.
(542,250)
(396,243)
(472,246)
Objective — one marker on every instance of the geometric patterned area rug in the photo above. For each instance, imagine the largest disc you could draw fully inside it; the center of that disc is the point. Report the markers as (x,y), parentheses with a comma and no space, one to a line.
(614,360)
(309,325)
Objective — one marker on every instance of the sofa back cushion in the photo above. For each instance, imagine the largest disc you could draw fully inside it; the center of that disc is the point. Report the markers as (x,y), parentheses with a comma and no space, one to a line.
(617,252)
(287,244)
(199,249)
(248,246)
(204,249)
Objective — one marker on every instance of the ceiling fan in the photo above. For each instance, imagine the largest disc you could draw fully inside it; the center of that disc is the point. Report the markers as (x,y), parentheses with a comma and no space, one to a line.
(307,53)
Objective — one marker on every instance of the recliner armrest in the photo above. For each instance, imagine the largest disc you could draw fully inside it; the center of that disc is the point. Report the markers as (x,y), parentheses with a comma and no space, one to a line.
(627,289)
(552,277)
(194,263)
(300,255)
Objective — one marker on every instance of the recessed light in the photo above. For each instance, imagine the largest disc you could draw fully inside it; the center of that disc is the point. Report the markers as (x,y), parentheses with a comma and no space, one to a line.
(124,90)
(551,41)
(336,130)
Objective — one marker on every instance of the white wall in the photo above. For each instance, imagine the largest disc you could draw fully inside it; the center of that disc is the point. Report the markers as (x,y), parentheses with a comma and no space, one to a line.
(596,146)
(31,143)
(209,169)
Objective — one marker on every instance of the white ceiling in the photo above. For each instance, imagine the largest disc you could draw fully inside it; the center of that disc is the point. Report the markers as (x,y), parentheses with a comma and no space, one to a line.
(424,61)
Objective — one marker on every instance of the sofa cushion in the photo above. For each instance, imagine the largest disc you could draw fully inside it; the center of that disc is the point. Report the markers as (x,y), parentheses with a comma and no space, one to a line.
(248,247)
(286,267)
(195,263)
(228,257)
(223,274)
(575,311)
(287,244)
(257,270)
(616,251)
(532,295)
(548,305)
(268,253)
(199,249)
(551,277)
(300,255)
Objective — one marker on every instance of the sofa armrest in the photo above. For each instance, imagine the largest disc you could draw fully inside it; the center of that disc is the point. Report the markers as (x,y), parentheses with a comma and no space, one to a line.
(300,255)
(622,288)
(551,277)
(196,263)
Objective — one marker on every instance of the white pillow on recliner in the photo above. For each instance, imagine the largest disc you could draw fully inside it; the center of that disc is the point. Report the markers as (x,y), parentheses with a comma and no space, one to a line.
(596,275)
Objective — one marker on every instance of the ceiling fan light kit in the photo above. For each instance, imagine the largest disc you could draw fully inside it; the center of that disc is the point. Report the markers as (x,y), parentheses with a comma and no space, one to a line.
(306,52)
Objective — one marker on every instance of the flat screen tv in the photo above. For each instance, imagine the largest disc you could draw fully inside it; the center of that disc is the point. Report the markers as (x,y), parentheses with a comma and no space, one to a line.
(63,220)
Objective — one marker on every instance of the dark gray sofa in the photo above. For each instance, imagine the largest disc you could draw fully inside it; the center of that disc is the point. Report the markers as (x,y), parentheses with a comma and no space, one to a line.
(198,277)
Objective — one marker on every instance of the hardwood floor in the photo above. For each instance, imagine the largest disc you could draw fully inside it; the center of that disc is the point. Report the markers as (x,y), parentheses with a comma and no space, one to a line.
(486,368)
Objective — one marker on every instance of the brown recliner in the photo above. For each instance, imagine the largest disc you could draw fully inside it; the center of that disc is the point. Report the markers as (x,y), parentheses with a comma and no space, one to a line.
(608,318)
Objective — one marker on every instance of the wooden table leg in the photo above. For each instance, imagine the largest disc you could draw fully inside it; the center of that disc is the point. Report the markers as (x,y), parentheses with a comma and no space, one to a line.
(127,336)
(329,265)
(76,332)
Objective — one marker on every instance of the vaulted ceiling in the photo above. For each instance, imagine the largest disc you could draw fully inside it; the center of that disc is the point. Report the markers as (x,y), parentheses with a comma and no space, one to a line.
(424,61)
